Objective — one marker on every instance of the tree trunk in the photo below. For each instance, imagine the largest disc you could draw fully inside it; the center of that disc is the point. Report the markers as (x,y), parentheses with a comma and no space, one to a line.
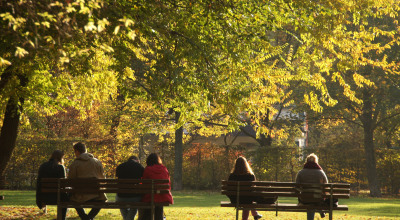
(8,135)
(141,149)
(368,126)
(116,120)
(373,182)
(178,155)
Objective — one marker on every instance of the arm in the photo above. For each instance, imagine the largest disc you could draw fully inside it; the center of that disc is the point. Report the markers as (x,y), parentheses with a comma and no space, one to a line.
(145,174)
(117,171)
(102,176)
(61,171)
(72,171)
(324,178)
(298,178)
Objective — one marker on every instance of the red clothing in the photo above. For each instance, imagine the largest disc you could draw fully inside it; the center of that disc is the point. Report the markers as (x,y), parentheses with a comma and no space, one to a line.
(157,171)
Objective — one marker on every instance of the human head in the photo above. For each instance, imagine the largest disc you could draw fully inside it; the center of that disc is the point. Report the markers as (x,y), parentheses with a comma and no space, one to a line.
(242,166)
(57,156)
(153,159)
(312,158)
(135,158)
(79,148)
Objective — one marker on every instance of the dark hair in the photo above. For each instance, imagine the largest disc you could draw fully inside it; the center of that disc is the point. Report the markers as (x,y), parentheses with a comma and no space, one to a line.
(80,147)
(153,159)
(242,166)
(135,158)
(57,156)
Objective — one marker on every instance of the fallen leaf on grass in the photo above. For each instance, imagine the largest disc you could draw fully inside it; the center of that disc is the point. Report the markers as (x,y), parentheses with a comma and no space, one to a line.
(7,213)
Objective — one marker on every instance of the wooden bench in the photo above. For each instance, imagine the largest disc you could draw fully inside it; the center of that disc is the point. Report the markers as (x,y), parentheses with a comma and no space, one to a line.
(329,191)
(70,186)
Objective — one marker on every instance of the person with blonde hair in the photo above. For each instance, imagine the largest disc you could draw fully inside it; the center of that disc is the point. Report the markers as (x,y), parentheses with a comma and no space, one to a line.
(243,172)
(311,173)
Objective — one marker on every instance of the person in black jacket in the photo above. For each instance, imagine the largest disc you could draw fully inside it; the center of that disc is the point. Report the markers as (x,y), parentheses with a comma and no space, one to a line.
(53,168)
(243,172)
(131,169)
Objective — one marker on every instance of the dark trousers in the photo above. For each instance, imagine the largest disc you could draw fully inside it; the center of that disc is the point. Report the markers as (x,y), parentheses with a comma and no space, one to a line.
(93,212)
(159,214)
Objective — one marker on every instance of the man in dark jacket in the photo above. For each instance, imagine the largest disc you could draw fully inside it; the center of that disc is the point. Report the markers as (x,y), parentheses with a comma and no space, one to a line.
(130,169)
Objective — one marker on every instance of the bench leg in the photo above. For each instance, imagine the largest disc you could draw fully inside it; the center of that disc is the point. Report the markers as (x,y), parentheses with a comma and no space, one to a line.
(330,215)
(59,213)
(237,213)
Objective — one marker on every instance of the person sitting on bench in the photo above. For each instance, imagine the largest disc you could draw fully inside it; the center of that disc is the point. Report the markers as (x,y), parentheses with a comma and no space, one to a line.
(86,166)
(243,172)
(54,168)
(131,169)
(311,173)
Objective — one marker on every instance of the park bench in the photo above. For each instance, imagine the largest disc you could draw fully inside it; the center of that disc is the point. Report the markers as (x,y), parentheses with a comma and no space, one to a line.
(331,191)
(94,186)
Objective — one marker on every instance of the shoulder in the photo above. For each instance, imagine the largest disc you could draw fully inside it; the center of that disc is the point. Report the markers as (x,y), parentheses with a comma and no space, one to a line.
(43,165)
(121,165)
(74,163)
(241,177)
(301,172)
(304,172)
(139,165)
(96,160)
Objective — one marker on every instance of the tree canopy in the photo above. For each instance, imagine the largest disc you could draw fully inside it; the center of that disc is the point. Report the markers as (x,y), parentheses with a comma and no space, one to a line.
(209,67)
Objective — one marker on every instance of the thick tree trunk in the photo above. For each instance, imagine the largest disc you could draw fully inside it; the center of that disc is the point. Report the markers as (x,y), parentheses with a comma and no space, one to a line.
(178,155)
(368,125)
(8,135)
(372,175)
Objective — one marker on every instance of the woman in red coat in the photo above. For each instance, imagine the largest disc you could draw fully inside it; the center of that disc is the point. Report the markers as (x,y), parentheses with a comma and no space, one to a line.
(156,170)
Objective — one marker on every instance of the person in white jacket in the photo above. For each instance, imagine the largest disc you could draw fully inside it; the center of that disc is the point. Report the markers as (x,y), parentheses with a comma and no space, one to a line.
(86,166)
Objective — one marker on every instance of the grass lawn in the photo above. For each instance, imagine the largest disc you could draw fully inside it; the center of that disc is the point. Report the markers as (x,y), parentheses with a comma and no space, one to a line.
(202,205)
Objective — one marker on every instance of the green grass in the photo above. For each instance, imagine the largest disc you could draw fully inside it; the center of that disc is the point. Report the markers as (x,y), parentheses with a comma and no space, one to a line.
(203,205)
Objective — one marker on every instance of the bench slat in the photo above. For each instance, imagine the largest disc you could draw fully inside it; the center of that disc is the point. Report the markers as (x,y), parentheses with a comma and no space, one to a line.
(283,184)
(108,190)
(284,206)
(282,194)
(104,181)
(110,205)
(283,189)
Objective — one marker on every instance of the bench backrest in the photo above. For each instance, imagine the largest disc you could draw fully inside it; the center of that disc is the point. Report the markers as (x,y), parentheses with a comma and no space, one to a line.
(92,185)
(285,189)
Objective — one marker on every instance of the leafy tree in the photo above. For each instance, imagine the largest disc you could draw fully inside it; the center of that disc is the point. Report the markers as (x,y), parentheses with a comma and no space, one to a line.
(196,61)
(38,41)
(359,67)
